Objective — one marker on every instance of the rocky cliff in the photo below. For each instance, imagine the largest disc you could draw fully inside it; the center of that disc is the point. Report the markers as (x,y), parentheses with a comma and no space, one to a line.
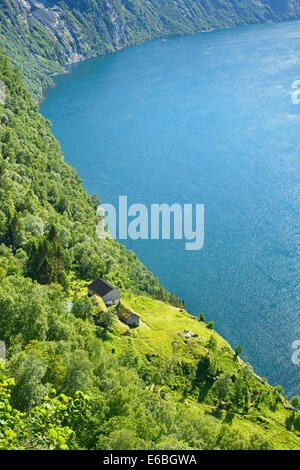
(41,37)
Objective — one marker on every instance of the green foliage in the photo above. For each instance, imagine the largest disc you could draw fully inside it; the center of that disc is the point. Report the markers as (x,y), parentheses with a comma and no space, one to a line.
(83,308)
(202,318)
(242,385)
(106,320)
(46,262)
(212,343)
(28,370)
(279,389)
(153,389)
(235,440)
(51,425)
(46,213)
(24,311)
(222,386)
(295,402)
(238,350)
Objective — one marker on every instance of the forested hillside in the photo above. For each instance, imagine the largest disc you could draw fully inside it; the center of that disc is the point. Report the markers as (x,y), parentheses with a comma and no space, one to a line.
(75,379)
(41,37)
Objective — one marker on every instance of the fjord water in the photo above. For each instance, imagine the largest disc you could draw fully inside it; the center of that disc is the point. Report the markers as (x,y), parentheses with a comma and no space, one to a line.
(204,119)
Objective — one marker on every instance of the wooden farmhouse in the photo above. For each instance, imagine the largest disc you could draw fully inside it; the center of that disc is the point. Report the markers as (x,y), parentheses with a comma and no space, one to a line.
(103,289)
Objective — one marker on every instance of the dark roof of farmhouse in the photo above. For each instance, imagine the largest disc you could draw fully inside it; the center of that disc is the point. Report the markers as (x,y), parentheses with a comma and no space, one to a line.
(101,287)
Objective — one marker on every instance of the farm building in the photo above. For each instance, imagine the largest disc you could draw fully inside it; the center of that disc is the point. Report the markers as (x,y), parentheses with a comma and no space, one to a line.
(127,316)
(103,289)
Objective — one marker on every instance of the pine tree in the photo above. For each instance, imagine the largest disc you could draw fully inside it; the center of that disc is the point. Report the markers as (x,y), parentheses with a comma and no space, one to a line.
(46,262)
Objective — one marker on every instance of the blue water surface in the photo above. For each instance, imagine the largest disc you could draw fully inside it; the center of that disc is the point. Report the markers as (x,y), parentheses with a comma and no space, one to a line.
(204,119)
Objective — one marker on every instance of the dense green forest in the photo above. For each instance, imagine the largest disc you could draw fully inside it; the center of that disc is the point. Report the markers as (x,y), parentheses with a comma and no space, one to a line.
(41,37)
(77,380)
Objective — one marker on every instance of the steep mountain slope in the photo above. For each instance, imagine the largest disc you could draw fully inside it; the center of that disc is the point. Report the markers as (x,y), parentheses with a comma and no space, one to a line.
(43,36)
(160,387)
(38,189)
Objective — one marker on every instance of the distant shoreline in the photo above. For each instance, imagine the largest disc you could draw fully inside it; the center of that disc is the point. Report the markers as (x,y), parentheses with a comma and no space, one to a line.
(67,71)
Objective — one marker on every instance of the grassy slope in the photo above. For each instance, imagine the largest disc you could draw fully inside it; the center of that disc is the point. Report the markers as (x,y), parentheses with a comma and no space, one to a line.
(161,332)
